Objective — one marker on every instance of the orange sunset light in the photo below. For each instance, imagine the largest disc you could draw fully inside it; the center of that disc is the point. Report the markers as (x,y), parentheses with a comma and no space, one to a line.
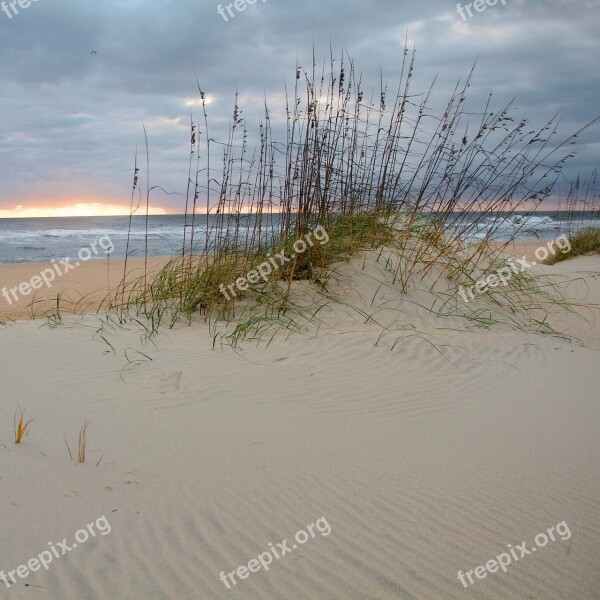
(81,209)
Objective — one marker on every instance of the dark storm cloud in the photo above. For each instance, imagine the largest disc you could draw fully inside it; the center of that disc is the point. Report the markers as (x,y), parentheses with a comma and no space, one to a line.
(71,119)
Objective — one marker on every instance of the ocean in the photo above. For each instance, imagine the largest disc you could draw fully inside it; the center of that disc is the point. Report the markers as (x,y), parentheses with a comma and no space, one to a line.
(43,239)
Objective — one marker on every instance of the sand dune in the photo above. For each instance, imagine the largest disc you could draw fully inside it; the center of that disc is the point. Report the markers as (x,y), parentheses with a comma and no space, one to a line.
(425,459)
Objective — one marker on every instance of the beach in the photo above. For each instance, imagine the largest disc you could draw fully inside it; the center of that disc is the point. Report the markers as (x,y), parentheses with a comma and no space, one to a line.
(407,449)
(299,301)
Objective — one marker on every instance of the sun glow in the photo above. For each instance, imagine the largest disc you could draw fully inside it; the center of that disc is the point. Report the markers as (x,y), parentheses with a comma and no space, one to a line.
(198,101)
(87,209)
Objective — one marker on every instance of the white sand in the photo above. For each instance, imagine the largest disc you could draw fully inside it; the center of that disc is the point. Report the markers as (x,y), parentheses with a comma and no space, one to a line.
(424,460)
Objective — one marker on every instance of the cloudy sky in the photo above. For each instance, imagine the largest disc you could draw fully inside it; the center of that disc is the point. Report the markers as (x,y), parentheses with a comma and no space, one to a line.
(80,78)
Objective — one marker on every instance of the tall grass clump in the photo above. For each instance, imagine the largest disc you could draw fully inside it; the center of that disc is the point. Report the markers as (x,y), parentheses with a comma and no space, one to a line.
(375,168)
(582,222)
(585,241)
(582,204)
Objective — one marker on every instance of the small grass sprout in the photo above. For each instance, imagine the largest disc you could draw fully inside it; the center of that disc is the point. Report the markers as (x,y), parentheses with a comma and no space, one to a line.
(82,443)
(21,426)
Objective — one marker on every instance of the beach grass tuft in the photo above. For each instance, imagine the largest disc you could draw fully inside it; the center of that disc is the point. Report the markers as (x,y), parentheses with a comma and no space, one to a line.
(585,241)
(21,426)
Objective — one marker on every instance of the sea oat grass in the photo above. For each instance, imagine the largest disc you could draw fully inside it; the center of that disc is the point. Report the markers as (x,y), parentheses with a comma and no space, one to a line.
(585,241)
(377,170)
